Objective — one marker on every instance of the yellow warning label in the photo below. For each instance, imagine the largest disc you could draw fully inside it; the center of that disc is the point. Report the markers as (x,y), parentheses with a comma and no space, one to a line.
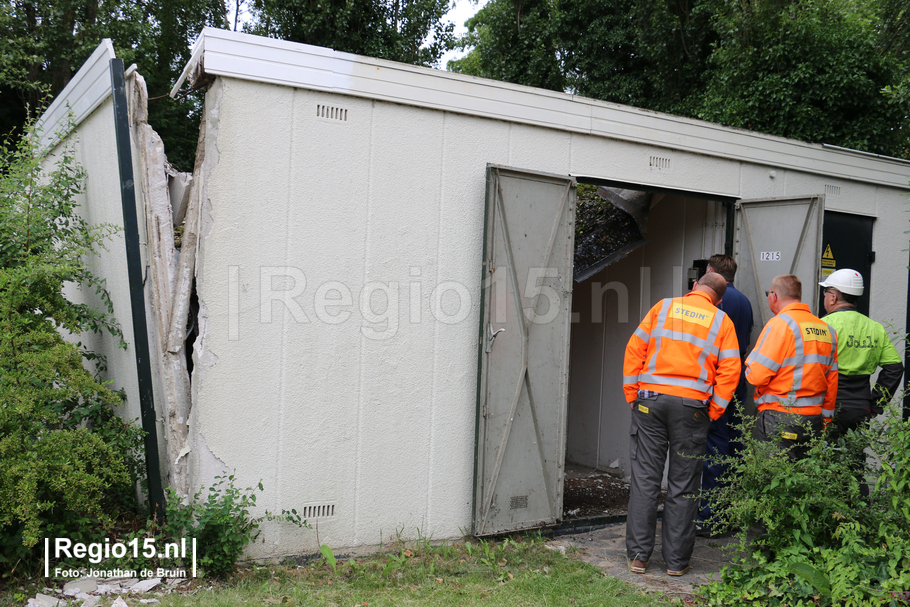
(815,331)
(788,435)
(828,254)
(692,314)
(642,408)
(827,271)
(829,263)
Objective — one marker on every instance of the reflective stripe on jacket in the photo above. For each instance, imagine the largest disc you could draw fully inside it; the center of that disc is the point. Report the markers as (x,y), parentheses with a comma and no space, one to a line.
(794,364)
(684,347)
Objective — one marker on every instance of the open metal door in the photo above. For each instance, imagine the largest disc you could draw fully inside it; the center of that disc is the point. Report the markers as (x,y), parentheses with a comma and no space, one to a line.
(524,350)
(778,236)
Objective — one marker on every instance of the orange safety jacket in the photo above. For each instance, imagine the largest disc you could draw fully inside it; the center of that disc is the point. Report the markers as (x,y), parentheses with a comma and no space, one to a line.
(794,364)
(684,347)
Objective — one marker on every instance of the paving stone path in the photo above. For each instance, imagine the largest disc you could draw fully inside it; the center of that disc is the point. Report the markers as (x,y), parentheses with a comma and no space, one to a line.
(606,548)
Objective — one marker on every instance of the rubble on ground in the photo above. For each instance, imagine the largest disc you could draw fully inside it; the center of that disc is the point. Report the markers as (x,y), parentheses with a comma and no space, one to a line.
(88,591)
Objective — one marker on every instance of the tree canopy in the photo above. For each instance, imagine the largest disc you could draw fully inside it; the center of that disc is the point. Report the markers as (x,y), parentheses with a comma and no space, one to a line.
(44,42)
(823,71)
(410,31)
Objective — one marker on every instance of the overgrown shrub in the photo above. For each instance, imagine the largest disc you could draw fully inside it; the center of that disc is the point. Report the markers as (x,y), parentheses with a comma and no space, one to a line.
(221,523)
(808,536)
(66,459)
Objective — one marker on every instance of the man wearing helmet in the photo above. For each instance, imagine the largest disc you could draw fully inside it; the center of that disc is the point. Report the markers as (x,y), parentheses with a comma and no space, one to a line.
(862,347)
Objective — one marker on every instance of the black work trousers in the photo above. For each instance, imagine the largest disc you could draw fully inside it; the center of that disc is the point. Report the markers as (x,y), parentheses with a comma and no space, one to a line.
(790,431)
(852,416)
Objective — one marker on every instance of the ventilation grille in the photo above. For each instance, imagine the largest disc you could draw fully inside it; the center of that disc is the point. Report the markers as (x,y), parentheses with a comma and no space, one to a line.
(518,501)
(332,113)
(317,511)
(658,163)
(832,190)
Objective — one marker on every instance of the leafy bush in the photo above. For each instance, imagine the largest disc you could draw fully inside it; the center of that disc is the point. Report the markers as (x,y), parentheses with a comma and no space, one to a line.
(66,457)
(221,524)
(819,541)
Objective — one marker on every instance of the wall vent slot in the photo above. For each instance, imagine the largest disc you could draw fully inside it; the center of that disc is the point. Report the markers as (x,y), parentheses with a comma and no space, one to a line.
(659,163)
(832,190)
(332,113)
(518,501)
(317,511)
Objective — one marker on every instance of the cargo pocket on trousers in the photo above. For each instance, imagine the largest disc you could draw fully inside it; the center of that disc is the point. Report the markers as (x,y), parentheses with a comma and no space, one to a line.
(700,423)
(633,441)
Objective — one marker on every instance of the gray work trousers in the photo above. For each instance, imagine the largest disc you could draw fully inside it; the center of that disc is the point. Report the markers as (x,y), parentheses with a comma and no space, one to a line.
(661,426)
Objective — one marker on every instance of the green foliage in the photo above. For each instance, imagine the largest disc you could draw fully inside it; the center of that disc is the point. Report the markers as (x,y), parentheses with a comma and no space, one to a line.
(646,53)
(221,524)
(821,542)
(514,41)
(813,70)
(810,70)
(66,458)
(410,31)
(525,572)
(45,42)
(161,49)
(329,557)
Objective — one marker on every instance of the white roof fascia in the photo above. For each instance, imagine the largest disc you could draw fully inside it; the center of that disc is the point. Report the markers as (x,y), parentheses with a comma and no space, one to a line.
(83,93)
(248,57)
(191,64)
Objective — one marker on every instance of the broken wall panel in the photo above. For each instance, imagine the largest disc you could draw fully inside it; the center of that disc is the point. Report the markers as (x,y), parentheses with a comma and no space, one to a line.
(167,300)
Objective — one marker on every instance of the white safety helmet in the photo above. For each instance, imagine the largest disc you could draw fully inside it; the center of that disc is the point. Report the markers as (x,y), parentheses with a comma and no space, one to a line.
(845,281)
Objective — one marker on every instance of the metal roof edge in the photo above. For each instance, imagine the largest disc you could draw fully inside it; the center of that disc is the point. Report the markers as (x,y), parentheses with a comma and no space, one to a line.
(85,91)
(248,57)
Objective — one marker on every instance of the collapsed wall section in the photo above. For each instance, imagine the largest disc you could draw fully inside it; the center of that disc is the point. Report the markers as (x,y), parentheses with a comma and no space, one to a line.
(170,199)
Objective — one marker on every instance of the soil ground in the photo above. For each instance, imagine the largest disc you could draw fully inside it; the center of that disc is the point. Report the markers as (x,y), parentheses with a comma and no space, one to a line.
(588,493)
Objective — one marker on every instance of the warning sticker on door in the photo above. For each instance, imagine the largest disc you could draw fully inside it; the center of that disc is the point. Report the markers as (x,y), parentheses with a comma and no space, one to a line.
(828,258)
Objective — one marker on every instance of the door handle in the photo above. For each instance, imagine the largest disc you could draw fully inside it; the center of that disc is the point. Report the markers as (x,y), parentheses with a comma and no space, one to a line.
(493,335)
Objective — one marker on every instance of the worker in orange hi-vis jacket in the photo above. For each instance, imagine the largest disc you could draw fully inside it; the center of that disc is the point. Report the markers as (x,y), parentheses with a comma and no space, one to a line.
(681,368)
(794,370)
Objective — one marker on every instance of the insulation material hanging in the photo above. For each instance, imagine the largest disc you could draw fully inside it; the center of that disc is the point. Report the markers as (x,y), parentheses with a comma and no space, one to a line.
(610,223)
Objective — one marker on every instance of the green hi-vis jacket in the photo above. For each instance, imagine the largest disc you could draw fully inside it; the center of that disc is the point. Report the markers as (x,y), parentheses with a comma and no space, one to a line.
(862,347)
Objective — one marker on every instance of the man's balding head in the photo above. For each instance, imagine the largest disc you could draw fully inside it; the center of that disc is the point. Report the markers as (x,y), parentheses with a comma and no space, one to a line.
(713,284)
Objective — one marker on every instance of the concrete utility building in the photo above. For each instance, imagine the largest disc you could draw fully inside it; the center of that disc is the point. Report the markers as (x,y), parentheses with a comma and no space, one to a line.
(373,308)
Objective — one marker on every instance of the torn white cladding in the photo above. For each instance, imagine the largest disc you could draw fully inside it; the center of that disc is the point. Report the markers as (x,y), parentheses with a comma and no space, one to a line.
(158,182)
(180,189)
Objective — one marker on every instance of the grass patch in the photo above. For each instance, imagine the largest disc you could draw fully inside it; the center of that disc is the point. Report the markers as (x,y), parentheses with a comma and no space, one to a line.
(515,571)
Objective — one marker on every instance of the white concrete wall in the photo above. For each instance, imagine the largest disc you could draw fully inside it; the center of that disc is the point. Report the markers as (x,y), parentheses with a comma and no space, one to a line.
(371,409)
(96,152)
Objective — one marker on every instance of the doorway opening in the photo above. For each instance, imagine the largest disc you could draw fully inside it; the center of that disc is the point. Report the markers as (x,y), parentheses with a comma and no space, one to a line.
(681,232)
(550,350)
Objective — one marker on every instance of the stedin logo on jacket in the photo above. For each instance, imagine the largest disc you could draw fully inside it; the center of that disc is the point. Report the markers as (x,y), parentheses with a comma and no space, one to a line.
(691,314)
(815,331)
